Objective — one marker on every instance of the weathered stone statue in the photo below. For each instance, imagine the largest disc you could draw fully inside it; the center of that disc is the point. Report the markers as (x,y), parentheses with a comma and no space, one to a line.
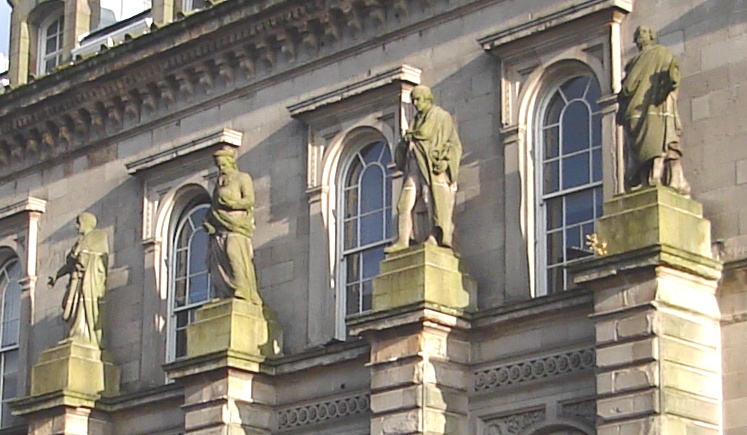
(230,223)
(648,112)
(86,265)
(429,156)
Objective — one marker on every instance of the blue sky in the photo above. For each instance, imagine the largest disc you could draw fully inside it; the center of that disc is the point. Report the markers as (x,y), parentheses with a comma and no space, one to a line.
(4,26)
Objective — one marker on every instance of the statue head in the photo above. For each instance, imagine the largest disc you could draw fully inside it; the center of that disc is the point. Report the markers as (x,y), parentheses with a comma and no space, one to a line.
(644,36)
(225,160)
(86,222)
(422,98)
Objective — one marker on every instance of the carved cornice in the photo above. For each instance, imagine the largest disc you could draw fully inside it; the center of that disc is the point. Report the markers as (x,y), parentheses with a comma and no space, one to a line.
(534,369)
(28,205)
(208,57)
(306,415)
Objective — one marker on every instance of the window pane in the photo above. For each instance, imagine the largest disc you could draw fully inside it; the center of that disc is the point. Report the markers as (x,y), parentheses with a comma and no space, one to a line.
(180,266)
(573,247)
(354,172)
(554,213)
(367,296)
(575,170)
(353,267)
(10,333)
(180,292)
(575,127)
(554,109)
(575,88)
(593,95)
(599,200)
(551,142)
(372,153)
(371,260)
(198,288)
(596,164)
(351,234)
(555,280)
(554,248)
(352,299)
(198,252)
(351,202)
(551,175)
(596,130)
(372,228)
(372,189)
(579,207)
(181,342)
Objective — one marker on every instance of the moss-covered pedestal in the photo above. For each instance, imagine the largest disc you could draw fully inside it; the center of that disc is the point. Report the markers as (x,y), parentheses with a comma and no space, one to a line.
(66,386)
(227,345)
(417,328)
(656,316)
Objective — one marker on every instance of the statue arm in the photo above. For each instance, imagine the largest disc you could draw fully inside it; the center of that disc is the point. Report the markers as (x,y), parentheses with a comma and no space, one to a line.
(66,269)
(247,194)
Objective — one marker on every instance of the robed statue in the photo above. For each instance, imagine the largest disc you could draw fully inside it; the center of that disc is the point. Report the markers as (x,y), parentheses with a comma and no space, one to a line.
(230,223)
(86,265)
(648,113)
(429,155)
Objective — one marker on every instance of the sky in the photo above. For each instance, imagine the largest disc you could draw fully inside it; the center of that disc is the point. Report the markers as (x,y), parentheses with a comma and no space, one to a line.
(4,26)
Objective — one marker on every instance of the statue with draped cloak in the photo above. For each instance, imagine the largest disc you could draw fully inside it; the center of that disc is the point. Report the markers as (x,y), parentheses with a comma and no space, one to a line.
(86,266)
(648,113)
(230,223)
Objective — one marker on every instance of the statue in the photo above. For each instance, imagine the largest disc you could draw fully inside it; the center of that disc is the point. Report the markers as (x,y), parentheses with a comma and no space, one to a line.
(648,113)
(86,265)
(429,155)
(230,223)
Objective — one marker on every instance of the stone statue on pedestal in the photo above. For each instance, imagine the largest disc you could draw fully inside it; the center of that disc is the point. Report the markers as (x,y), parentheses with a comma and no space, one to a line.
(429,156)
(86,265)
(230,223)
(648,113)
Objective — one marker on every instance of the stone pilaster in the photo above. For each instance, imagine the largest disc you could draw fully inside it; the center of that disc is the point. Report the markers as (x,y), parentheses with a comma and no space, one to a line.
(227,388)
(656,317)
(66,385)
(419,350)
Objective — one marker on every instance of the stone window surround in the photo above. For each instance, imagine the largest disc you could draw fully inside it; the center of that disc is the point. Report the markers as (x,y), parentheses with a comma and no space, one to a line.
(41,45)
(169,186)
(351,115)
(535,56)
(19,237)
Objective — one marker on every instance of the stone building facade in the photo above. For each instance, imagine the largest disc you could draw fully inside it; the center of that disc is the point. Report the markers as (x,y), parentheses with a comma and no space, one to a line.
(313,95)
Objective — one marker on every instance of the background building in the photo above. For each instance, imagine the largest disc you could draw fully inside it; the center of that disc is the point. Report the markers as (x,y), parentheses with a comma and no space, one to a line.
(116,109)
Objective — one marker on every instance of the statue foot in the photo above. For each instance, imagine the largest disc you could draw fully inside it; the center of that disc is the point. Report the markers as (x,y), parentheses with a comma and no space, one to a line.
(397,246)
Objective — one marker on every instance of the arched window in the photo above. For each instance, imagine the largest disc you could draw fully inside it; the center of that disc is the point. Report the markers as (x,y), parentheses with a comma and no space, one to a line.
(366,224)
(50,43)
(569,178)
(10,319)
(189,280)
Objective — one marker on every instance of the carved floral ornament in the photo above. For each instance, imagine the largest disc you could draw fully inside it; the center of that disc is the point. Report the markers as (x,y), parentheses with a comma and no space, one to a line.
(242,42)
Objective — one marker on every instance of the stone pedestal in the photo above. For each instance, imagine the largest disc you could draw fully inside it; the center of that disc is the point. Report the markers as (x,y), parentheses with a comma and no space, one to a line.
(419,350)
(66,385)
(228,389)
(656,316)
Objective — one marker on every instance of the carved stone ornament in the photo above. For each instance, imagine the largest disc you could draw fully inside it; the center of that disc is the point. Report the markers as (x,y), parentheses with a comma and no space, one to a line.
(306,415)
(513,424)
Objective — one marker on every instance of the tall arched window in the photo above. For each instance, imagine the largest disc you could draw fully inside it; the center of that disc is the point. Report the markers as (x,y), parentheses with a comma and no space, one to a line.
(10,319)
(569,178)
(366,224)
(189,280)
(50,43)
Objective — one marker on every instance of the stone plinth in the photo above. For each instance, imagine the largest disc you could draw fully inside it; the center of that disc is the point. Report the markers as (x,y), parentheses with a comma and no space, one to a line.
(423,274)
(236,325)
(656,316)
(419,357)
(66,385)
(227,387)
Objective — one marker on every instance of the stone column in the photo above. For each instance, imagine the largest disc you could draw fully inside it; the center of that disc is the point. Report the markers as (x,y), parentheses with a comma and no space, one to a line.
(656,316)
(419,350)
(227,388)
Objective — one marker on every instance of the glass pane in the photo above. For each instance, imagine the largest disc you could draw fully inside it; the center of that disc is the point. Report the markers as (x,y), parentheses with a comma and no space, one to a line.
(180,292)
(372,189)
(354,172)
(596,130)
(50,64)
(182,239)
(367,296)
(555,280)
(198,252)
(352,268)
(575,127)
(10,386)
(579,207)
(181,342)
(180,264)
(593,95)
(51,45)
(372,153)
(550,142)
(596,164)
(198,288)
(551,175)
(575,88)
(10,332)
(351,234)
(554,213)
(554,109)
(576,170)
(555,248)
(573,245)
(182,319)
(372,228)
(351,202)
(599,200)
(371,260)
(352,299)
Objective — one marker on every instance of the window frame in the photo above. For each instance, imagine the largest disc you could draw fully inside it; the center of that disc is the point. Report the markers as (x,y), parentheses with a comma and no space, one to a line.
(5,265)
(42,36)
(542,286)
(353,151)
